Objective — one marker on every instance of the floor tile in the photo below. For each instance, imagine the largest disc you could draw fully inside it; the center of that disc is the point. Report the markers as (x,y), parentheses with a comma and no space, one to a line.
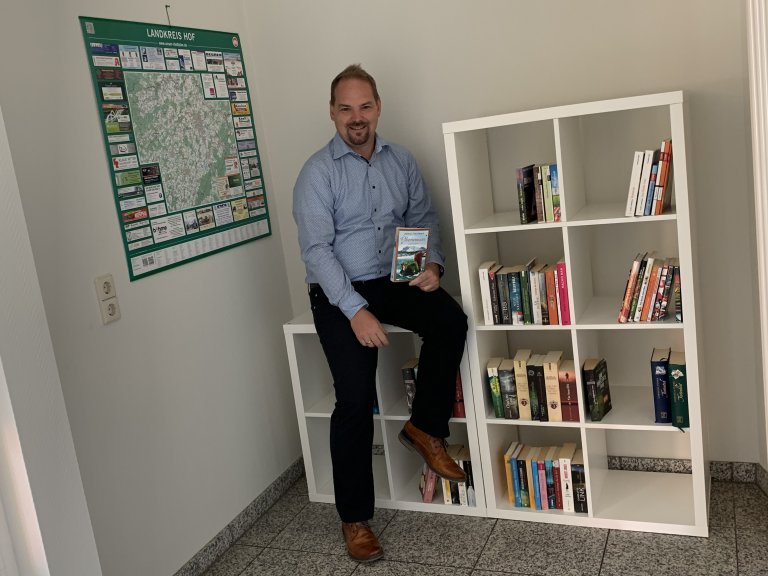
(752,546)
(750,505)
(647,554)
(317,528)
(442,539)
(519,546)
(273,562)
(300,486)
(388,568)
(489,573)
(721,512)
(233,561)
(268,526)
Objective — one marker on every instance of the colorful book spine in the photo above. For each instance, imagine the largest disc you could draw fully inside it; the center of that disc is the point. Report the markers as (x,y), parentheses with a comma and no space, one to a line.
(552,385)
(521,382)
(515,295)
(569,401)
(555,180)
(550,272)
(548,204)
(543,494)
(459,410)
(492,368)
(597,390)
(660,382)
(678,383)
(562,281)
(502,285)
(494,290)
(579,483)
(626,303)
(539,192)
(508,389)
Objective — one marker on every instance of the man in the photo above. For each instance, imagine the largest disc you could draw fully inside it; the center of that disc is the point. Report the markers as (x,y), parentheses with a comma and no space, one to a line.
(348,199)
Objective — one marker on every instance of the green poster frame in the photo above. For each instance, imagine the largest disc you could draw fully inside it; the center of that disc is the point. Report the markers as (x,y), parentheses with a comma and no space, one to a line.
(157,234)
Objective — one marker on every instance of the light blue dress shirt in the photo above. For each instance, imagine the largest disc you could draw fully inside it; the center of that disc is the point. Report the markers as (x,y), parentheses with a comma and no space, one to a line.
(347,209)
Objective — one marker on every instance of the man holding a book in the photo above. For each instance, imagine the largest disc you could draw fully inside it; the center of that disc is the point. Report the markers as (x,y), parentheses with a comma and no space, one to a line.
(349,199)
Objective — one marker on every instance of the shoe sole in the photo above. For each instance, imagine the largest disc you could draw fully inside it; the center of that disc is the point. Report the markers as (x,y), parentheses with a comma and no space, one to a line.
(366,560)
(408,443)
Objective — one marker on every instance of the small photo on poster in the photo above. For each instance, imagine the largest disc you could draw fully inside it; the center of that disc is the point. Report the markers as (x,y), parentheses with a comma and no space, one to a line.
(220,82)
(112,91)
(239,209)
(233,64)
(222,212)
(130,191)
(130,56)
(185,60)
(135,215)
(152,58)
(241,109)
(251,168)
(214,60)
(209,89)
(205,218)
(109,74)
(231,165)
(198,60)
(190,222)
(116,118)
(235,83)
(150,174)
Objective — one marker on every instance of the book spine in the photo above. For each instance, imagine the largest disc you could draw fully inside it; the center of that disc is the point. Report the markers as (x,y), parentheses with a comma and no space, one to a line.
(529,190)
(678,294)
(555,181)
(661,401)
(503,288)
(638,309)
(470,484)
(638,285)
(525,492)
(626,304)
(660,292)
(569,402)
(651,196)
(535,297)
(459,410)
(650,293)
(409,381)
(429,486)
(663,311)
(548,206)
(552,391)
(494,291)
(533,394)
(521,196)
(634,183)
(557,479)
(495,389)
(579,489)
(543,494)
(539,193)
(523,394)
(509,394)
(679,392)
(525,296)
(516,500)
(485,295)
(536,487)
(550,478)
(562,280)
(554,317)
(541,393)
(543,298)
(645,177)
(515,298)
(566,479)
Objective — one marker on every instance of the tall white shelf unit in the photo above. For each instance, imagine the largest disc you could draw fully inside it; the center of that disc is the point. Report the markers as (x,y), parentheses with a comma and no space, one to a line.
(396,469)
(593,145)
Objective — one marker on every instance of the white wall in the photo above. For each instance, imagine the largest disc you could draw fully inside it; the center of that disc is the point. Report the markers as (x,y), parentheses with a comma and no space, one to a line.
(182,411)
(443,60)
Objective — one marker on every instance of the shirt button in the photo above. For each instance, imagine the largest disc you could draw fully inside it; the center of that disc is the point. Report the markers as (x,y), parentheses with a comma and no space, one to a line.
(379,251)
(374,187)
(379,228)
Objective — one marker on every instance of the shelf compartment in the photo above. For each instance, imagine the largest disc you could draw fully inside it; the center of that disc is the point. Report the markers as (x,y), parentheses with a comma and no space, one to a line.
(315,380)
(389,377)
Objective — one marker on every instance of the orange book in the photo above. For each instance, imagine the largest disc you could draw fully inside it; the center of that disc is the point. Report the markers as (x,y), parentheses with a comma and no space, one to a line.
(650,293)
(626,304)
(666,157)
(549,275)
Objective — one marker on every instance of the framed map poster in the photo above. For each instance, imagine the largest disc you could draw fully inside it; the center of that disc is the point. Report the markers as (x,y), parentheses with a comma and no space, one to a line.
(177,122)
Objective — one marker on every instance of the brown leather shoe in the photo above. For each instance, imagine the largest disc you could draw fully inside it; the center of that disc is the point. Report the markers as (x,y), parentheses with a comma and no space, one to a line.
(433,451)
(362,544)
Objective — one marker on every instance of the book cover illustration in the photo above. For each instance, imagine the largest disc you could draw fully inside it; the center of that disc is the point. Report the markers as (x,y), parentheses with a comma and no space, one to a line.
(410,254)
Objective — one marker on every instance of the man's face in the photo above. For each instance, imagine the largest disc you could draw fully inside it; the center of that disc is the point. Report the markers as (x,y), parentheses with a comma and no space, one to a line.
(355,113)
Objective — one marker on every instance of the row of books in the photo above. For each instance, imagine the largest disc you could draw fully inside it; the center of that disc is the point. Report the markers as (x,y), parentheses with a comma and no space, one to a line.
(670,387)
(410,371)
(652,284)
(546,477)
(454,493)
(529,293)
(650,181)
(538,193)
(533,387)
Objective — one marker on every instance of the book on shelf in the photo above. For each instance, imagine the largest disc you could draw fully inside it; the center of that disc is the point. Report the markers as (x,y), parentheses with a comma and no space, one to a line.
(503,287)
(634,183)
(533,476)
(647,211)
(668,293)
(660,381)
(637,307)
(551,364)
(536,279)
(638,288)
(579,482)
(634,273)
(538,181)
(492,369)
(494,289)
(596,388)
(664,277)
(562,283)
(466,463)
(645,178)
(526,487)
(565,456)
(525,291)
(508,388)
(550,477)
(661,200)
(569,400)
(459,411)
(509,469)
(427,484)
(555,180)
(451,488)
(485,291)
(408,370)
(536,387)
(650,292)
(526,194)
(541,282)
(514,279)
(410,253)
(677,293)
(550,272)
(521,380)
(543,486)
(678,387)
(546,177)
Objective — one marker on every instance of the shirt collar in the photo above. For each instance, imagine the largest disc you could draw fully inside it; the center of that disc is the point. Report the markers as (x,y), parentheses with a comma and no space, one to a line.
(339,148)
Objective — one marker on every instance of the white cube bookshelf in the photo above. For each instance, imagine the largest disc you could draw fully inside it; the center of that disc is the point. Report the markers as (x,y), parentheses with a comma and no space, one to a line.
(593,145)
(397,470)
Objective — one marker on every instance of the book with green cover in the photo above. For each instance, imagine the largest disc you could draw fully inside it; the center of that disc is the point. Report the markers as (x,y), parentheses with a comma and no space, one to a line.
(678,386)
(494,386)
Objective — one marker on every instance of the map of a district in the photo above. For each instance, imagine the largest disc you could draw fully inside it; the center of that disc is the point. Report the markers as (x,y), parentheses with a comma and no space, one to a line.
(187,135)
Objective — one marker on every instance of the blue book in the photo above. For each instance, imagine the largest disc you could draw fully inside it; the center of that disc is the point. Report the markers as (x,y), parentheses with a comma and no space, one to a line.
(515,295)
(551,500)
(516,477)
(662,402)
(648,210)
(535,479)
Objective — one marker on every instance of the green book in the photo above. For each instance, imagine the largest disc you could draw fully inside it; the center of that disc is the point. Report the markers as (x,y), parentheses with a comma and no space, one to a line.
(678,388)
(494,386)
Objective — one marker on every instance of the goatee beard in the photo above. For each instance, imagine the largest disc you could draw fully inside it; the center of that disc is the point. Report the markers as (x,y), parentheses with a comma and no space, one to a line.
(363,135)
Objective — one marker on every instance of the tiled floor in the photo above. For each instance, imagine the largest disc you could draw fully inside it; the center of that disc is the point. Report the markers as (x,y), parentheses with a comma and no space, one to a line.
(298,537)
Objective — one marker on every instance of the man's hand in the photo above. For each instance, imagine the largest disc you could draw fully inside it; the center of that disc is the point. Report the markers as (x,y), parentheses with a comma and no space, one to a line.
(368,330)
(429,280)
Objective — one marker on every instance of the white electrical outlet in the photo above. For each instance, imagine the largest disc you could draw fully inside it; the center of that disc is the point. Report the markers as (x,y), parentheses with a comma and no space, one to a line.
(110,310)
(105,287)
